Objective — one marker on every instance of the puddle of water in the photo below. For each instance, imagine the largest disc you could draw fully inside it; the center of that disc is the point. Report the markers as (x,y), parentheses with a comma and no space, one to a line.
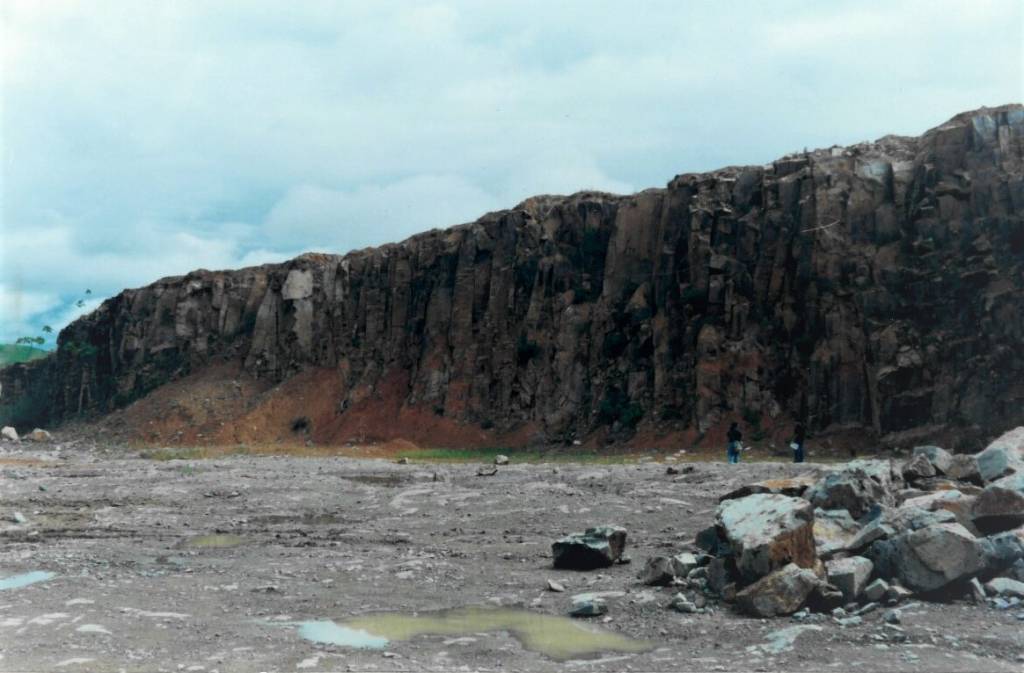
(212,541)
(18,581)
(559,638)
(329,632)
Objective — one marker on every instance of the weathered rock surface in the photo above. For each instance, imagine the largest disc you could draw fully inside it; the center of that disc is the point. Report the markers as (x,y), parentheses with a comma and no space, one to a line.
(930,558)
(783,592)
(39,435)
(1004,586)
(857,487)
(834,531)
(940,459)
(597,547)
(766,532)
(875,289)
(9,433)
(998,509)
(849,575)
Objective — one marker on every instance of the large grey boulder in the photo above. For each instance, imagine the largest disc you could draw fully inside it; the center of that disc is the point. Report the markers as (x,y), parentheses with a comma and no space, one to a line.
(9,433)
(766,532)
(1003,550)
(858,487)
(930,558)
(783,592)
(597,547)
(954,501)
(849,575)
(1003,456)
(964,467)
(940,459)
(999,508)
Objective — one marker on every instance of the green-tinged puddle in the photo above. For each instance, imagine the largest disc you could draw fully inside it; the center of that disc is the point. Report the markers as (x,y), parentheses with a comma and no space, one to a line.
(212,541)
(559,638)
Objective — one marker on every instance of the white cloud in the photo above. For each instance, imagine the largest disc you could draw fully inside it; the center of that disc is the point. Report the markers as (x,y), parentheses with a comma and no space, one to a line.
(141,140)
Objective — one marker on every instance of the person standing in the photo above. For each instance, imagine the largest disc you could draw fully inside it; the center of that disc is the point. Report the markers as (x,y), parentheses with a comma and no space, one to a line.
(734,446)
(799,434)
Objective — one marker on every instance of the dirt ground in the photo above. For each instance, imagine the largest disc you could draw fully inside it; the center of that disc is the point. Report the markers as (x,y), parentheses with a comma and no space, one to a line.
(216,564)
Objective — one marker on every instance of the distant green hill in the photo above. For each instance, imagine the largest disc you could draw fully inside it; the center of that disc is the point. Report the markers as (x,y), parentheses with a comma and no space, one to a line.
(13,353)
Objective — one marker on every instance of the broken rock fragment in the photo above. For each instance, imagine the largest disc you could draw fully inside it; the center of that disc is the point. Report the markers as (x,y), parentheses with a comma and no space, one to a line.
(597,547)
(856,488)
(930,558)
(782,592)
(849,575)
(766,532)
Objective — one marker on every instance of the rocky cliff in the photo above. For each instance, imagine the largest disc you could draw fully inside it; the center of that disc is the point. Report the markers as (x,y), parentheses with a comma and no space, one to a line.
(875,291)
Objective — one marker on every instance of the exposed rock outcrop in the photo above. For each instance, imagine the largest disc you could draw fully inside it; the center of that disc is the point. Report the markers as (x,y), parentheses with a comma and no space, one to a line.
(876,290)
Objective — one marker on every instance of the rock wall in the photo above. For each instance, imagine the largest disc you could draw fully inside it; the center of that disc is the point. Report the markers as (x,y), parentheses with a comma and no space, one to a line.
(876,290)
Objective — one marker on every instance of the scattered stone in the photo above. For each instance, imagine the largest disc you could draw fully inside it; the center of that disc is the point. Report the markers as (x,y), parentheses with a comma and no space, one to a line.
(877,590)
(501,460)
(825,598)
(839,613)
(1004,586)
(681,603)
(783,592)
(485,471)
(684,563)
(849,575)
(588,606)
(999,509)
(39,435)
(929,558)
(9,433)
(658,571)
(998,461)
(977,590)
(918,467)
(625,559)
(555,586)
(671,470)
(402,461)
(856,488)
(897,594)
(964,467)
(866,609)
(892,617)
(1003,550)
(849,621)
(597,547)
(18,517)
(766,532)
(940,459)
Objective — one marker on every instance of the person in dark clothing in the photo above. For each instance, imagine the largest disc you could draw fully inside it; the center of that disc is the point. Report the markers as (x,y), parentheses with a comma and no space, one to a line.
(799,434)
(735,446)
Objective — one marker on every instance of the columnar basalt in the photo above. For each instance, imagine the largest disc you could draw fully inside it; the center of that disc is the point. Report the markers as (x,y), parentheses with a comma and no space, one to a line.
(877,288)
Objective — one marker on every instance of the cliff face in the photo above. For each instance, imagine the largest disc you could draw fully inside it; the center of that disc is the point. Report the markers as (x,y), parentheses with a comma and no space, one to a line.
(876,289)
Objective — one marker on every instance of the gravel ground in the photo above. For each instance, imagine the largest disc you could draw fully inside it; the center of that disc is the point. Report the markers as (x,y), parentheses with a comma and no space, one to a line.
(212,565)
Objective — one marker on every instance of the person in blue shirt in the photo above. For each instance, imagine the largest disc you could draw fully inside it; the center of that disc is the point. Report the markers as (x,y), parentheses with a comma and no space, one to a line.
(735,445)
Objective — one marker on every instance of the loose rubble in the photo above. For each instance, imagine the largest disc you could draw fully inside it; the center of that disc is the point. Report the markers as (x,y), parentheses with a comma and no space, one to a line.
(867,532)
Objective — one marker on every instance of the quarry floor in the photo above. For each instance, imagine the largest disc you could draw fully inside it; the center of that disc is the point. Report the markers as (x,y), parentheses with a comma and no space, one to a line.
(225,564)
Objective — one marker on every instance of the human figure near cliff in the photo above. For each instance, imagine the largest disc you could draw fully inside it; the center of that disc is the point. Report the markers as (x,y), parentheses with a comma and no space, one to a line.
(799,434)
(734,446)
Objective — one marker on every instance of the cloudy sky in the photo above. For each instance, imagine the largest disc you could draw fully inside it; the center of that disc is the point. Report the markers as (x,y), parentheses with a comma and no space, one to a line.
(144,139)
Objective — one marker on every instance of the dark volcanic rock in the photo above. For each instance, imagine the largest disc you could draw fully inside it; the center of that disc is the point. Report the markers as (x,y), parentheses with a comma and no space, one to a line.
(595,548)
(875,289)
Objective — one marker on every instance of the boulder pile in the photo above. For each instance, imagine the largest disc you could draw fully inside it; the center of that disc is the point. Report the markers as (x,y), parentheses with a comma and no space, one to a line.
(872,532)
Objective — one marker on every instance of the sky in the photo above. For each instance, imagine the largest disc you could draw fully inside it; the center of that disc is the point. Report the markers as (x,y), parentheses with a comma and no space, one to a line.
(146,139)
